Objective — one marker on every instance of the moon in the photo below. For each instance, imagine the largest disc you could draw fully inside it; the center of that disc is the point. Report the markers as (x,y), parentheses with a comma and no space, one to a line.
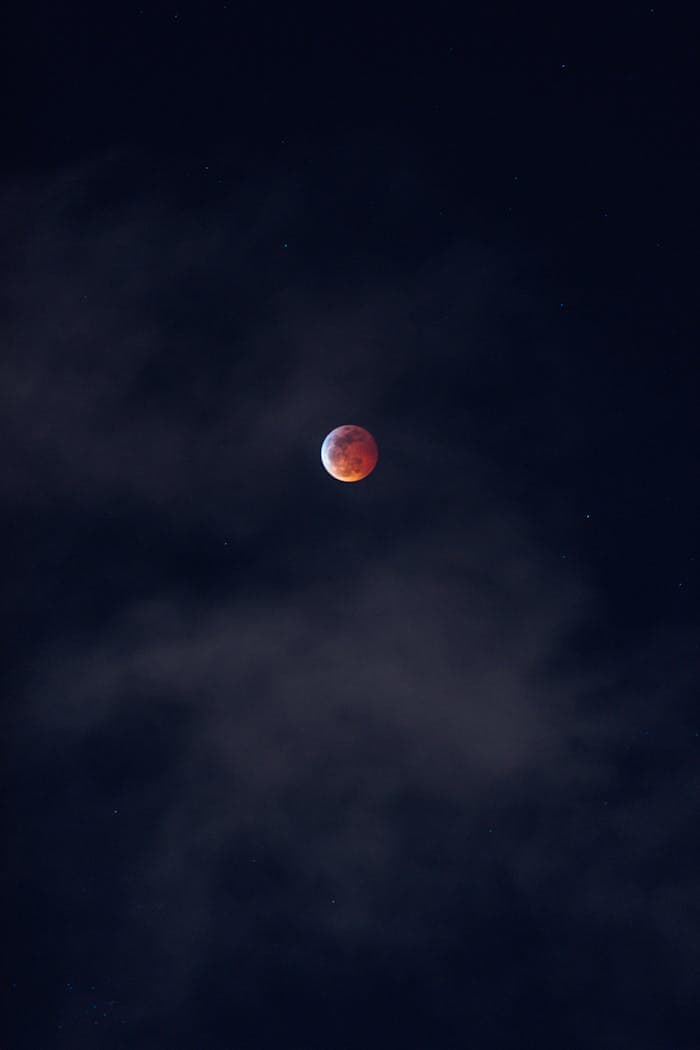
(349,453)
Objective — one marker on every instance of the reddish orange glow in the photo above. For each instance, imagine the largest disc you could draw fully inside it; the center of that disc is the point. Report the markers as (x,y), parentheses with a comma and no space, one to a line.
(349,453)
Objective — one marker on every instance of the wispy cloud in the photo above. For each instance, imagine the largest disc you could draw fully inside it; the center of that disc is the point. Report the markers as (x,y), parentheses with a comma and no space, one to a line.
(371,717)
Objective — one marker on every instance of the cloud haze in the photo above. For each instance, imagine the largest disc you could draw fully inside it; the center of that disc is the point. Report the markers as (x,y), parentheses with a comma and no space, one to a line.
(313,720)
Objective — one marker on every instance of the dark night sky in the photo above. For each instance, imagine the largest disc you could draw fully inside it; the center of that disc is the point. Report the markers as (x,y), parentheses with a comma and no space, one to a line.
(410,763)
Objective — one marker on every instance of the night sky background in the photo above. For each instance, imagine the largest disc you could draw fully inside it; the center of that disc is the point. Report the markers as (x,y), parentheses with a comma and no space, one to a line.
(407,764)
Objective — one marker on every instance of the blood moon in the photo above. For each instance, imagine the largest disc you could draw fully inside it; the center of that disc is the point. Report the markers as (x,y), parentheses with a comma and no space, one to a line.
(349,453)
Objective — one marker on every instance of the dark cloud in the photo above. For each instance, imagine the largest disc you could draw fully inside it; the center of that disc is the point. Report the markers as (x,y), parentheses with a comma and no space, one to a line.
(302,737)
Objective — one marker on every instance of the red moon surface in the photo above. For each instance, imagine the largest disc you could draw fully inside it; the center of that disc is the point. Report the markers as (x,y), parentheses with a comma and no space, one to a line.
(349,453)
